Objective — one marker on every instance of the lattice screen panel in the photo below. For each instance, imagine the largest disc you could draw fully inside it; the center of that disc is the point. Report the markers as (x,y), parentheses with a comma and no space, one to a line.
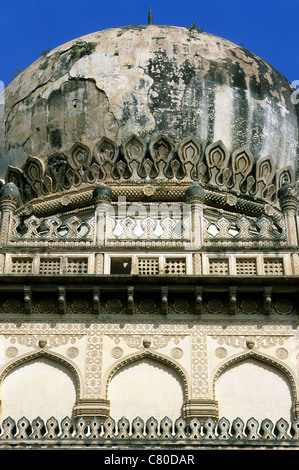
(49,266)
(148,266)
(218,266)
(246,266)
(273,267)
(175,266)
(21,265)
(77,266)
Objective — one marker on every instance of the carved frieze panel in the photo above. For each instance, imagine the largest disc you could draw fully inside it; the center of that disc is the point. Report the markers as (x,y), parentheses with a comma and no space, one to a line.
(242,230)
(100,302)
(53,229)
(81,342)
(42,341)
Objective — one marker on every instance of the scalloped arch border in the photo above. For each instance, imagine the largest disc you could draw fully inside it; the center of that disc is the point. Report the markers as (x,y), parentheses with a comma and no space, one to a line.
(53,357)
(145,355)
(262,358)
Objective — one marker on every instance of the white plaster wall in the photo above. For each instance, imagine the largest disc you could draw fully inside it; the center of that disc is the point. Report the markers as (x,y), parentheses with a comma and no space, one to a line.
(145,388)
(253,389)
(39,388)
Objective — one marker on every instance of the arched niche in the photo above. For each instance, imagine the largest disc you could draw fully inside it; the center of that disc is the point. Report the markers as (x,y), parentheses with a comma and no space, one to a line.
(39,385)
(146,385)
(252,385)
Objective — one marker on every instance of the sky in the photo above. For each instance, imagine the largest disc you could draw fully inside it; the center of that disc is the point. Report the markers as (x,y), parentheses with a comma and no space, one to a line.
(268,28)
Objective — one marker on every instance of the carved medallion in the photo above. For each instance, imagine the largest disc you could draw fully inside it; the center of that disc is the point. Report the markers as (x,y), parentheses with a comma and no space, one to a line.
(282,353)
(11,352)
(221,353)
(116,353)
(72,352)
(177,353)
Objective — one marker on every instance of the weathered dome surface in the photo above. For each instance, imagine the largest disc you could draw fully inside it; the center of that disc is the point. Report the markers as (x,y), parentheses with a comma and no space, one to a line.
(149,80)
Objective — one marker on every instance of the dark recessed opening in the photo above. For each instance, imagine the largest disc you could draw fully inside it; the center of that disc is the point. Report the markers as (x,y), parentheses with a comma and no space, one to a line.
(121,266)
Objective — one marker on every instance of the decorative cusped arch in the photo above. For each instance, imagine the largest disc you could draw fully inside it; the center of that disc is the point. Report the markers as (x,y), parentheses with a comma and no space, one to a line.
(44,354)
(262,358)
(147,355)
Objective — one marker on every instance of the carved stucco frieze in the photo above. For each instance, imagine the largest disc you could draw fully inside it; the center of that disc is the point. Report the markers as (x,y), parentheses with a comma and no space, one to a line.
(99,303)
(93,371)
(146,341)
(163,336)
(52,341)
(245,342)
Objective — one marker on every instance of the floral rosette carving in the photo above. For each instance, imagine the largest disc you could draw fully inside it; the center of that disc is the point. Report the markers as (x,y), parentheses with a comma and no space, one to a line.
(248,307)
(79,306)
(283,307)
(180,306)
(113,306)
(11,306)
(45,306)
(147,307)
(214,306)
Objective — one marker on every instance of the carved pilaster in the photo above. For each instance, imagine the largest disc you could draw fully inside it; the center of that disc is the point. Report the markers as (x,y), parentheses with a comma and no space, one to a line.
(9,198)
(288,198)
(195,196)
(102,196)
(201,409)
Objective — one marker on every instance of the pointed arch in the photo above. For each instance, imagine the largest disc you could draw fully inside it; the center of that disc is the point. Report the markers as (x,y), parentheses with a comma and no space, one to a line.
(47,355)
(130,359)
(261,358)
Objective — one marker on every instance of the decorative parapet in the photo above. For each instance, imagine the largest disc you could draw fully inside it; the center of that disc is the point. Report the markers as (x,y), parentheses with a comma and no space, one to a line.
(223,229)
(161,162)
(34,231)
(156,225)
(106,196)
(107,433)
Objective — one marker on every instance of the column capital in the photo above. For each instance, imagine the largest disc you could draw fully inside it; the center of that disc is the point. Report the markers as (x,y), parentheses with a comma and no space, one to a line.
(288,198)
(194,194)
(9,196)
(89,408)
(201,408)
(102,193)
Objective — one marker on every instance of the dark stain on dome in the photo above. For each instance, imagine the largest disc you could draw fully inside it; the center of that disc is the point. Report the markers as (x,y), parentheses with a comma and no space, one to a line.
(167,102)
(237,76)
(131,112)
(124,29)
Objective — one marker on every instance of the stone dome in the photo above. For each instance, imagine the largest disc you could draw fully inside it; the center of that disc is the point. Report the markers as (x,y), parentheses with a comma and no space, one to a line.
(146,81)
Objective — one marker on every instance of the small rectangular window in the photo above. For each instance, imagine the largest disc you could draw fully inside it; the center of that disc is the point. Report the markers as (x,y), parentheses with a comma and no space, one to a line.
(120,265)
